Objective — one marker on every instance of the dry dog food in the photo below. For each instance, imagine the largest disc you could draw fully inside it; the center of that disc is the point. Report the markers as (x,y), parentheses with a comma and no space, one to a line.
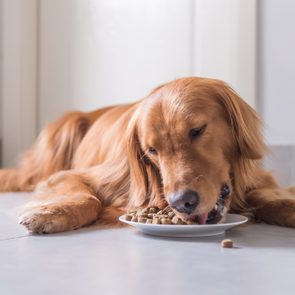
(227,243)
(154,215)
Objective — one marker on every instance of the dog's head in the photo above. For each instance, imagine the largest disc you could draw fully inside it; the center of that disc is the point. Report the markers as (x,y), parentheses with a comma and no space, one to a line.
(186,142)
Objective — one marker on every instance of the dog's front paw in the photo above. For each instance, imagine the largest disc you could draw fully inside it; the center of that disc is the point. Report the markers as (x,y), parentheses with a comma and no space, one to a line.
(43,220)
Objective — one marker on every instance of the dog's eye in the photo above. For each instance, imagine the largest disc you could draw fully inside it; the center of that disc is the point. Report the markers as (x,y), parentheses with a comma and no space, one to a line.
(152,151)
(196,132)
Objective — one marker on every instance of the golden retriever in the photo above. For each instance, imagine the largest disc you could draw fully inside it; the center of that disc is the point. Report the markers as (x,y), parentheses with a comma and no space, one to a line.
(192,144)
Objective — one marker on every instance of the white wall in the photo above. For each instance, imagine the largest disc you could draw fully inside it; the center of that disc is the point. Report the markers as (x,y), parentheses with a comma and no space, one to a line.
(18,76)
(91,53)
(277,70)
(95,53)
(1,61)
(224,43)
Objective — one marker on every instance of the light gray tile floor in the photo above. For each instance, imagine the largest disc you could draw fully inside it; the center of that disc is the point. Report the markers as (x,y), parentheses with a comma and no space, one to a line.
(122,261)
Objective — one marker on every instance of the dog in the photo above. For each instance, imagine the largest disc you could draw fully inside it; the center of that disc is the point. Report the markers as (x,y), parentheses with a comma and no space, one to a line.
(192,144)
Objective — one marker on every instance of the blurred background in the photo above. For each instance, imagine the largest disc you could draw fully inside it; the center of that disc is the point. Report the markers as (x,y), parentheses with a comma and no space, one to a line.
(60,55)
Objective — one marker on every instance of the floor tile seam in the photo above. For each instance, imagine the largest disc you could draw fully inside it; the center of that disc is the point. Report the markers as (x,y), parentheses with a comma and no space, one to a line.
(14,238)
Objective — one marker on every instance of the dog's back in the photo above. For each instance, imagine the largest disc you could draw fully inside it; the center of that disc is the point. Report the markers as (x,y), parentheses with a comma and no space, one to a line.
(53,151)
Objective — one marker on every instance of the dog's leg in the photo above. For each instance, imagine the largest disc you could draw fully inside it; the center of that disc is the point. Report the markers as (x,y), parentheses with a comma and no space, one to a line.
(64,202)
(274,206)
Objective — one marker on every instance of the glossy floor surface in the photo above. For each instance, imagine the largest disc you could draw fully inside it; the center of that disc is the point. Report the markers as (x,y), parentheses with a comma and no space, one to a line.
(121,261)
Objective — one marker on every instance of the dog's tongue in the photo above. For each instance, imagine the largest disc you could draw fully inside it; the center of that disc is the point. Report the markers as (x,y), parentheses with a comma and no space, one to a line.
(202,218)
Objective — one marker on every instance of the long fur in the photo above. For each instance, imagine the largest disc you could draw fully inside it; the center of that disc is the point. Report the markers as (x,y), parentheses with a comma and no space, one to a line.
(84,157)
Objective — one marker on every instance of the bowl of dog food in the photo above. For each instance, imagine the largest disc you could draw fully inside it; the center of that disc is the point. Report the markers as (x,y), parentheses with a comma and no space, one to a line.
(154,221)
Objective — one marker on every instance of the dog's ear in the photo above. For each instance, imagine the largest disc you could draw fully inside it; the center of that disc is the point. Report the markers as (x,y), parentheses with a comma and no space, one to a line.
(248,142)
(139,189)
(245,124)
(138,173)
(144,180)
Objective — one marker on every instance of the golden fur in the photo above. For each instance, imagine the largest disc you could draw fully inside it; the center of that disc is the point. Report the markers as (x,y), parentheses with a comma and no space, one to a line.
(90,166)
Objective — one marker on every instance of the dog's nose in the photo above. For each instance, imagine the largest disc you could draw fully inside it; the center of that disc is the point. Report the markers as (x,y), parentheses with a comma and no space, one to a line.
(184,202)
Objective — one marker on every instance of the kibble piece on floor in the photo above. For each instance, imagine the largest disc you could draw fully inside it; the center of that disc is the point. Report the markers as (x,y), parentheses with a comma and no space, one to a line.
(227,243)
